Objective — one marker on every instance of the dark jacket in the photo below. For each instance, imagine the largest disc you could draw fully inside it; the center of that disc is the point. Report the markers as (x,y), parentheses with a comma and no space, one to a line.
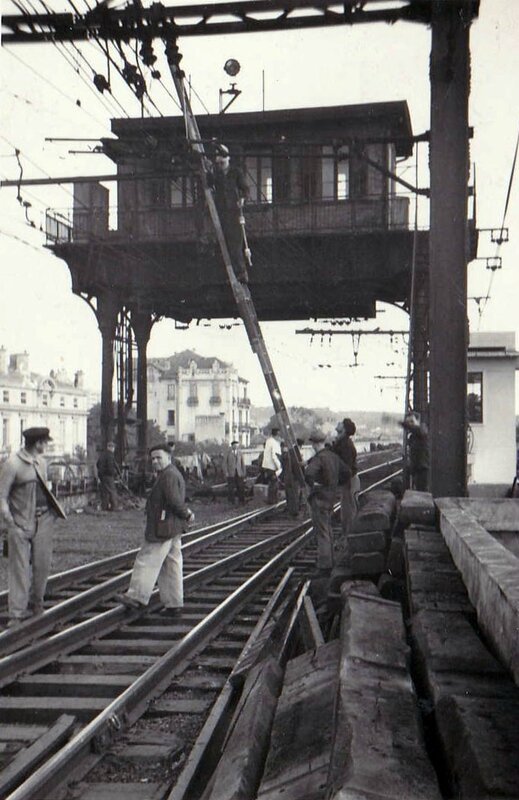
(418,449)
(323,474)
(106,466)
(229,189)
(166,510)
(347,452)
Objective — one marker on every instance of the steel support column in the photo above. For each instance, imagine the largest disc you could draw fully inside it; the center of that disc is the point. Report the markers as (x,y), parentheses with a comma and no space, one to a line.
(142,324)
(449,166)
(107,309)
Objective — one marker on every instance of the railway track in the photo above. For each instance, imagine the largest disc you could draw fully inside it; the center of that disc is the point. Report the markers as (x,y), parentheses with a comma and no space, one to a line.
(98,701)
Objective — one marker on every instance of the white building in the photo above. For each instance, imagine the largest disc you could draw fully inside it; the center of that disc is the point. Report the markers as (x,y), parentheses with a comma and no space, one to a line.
(193,398)
(492,362)
(54,401)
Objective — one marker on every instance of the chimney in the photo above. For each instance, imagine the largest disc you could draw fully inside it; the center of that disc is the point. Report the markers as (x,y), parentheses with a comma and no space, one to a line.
(19,362)
(79,379)
(3,360)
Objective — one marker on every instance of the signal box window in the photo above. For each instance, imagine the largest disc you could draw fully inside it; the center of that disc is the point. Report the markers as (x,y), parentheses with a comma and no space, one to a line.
(475,397)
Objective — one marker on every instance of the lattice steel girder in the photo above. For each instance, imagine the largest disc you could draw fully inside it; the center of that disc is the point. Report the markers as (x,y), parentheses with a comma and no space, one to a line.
(250,16)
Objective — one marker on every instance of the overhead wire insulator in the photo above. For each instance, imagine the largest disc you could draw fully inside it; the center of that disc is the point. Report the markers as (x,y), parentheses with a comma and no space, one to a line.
(101,83)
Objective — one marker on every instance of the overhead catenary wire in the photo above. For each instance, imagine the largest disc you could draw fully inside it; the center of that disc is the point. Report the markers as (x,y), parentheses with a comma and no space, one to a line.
(486,298)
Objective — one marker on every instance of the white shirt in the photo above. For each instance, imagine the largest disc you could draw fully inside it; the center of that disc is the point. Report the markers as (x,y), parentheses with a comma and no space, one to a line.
(272,455)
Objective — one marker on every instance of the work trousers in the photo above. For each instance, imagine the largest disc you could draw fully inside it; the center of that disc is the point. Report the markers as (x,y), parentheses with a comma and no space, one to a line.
(322,521)
(272,486)
(348,508)
(30,556)
(158,562)
(236,486)
(109,496)
(293,497)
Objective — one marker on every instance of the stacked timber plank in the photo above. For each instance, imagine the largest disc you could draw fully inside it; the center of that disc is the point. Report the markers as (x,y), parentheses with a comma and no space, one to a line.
(368,541)
(474,703)
(347,725)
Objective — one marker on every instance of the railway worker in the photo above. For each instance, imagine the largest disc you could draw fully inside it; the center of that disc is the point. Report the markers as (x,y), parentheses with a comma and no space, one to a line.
(160,557)
(235,472)
(271,464)
(417,464)
(28,509)
(346,451)
(230,192)
(291,480)
(107,472)
(323,473)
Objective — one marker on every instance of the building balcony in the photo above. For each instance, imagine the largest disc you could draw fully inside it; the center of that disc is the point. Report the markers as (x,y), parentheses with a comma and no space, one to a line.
(183,224)
(215,400)
(244,402)
(192,401)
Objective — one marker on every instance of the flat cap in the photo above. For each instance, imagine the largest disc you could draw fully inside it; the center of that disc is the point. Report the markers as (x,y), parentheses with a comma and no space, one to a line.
(36,434)
(317,436)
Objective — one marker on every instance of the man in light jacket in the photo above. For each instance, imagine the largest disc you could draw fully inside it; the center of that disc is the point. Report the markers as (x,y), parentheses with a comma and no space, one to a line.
(29,518)
(160,557)
(234,471)
(271,464)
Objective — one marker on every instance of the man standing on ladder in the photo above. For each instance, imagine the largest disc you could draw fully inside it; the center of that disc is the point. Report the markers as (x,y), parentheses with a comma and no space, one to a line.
(230,192)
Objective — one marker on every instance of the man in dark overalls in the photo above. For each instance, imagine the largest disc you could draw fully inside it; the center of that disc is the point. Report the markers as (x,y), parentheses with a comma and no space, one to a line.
(230,192)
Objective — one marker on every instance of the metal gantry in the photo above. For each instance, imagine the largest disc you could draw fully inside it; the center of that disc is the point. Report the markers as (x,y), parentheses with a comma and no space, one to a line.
(450,22)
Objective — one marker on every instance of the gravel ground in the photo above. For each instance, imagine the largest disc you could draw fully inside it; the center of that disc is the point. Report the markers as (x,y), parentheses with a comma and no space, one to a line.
(91,535)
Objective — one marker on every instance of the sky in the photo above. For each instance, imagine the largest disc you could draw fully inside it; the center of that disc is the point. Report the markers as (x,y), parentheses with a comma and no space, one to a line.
(46,92)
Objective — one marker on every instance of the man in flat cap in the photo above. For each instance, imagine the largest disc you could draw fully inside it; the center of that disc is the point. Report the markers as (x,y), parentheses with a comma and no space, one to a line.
(235,472)
(28,510)
(323,473)
(230,193)
(160,557)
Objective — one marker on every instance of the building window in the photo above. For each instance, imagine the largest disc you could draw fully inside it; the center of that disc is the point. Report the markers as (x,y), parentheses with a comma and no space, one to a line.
(192,399)
(171,417)
(475,397)
(62,402)
(258,173)
(23,398)
(75,402)
(6,396)
(5,433)
(183,191)
(215,399)
(45,399)
(335,173)
(171,391)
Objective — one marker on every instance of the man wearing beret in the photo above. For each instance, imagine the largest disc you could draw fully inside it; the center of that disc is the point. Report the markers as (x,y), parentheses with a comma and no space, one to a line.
(28,510)
(160,557)
(323,473)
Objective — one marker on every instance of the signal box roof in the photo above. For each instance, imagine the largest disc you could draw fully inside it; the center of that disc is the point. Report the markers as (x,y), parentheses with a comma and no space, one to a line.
(369,122)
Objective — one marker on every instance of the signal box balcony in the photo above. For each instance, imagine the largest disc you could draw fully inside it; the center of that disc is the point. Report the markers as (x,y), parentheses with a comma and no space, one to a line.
(328,231)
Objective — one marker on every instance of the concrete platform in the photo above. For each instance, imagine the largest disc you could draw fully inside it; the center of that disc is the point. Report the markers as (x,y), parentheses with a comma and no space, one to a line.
(490,571)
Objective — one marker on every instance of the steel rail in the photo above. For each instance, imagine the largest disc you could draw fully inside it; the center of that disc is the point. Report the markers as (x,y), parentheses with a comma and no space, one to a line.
(12,638)
(35,627)
(85,571)
(44,651)
(132,703)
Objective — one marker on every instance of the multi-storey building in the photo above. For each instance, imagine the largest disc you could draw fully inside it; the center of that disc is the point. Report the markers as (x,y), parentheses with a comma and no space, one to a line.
(194,398)
(28,399)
